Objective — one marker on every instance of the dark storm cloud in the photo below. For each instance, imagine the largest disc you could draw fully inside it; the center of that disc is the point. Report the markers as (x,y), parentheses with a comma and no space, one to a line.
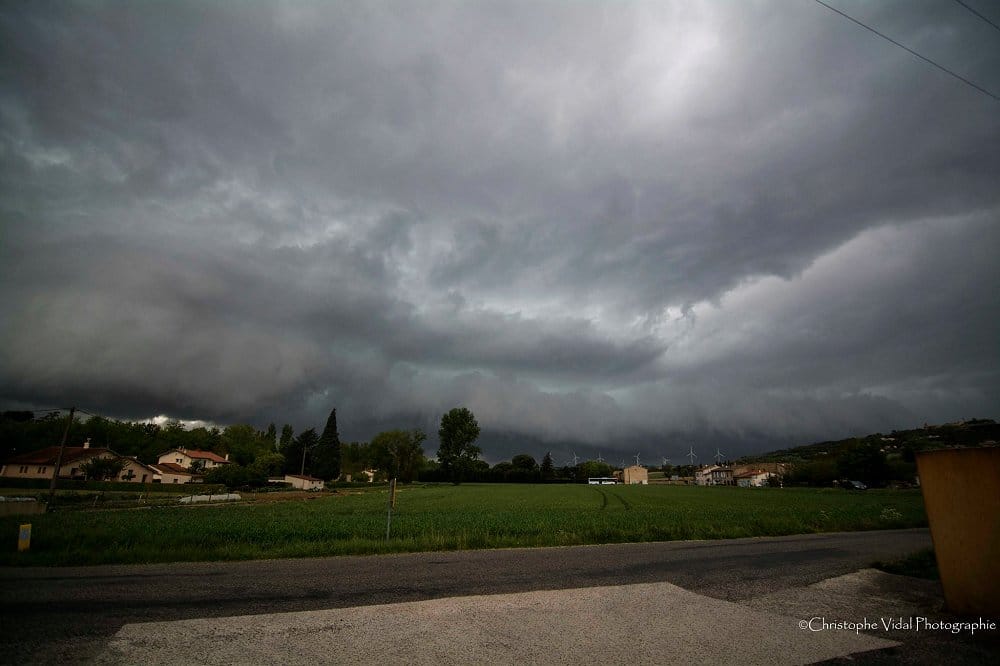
(596,223)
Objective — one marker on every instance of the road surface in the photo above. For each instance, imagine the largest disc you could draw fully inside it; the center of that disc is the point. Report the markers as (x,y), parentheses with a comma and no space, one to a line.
(69,614)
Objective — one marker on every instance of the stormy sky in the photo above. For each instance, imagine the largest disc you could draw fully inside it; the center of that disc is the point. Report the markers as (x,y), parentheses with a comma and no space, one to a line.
(602,226)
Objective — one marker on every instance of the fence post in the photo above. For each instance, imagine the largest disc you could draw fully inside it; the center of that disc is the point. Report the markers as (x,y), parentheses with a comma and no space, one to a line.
(392,503)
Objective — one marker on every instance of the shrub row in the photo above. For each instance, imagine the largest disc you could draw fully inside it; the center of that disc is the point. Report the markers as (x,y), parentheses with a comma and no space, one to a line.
(72,484)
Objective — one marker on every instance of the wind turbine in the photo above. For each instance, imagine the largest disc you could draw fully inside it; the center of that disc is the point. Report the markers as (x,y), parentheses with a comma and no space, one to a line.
(718,455)
(665,461)
(637,460)
(692,456)
(599,458)
(576,458)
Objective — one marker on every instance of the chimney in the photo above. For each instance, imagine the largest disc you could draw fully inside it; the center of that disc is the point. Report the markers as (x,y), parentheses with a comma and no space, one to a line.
(86,444)
(227,456)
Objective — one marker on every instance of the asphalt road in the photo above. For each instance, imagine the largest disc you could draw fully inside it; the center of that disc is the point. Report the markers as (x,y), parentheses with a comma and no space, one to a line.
(52,615)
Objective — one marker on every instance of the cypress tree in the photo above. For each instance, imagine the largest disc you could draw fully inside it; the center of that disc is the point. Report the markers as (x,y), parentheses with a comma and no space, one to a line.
(548,469)
(328,454)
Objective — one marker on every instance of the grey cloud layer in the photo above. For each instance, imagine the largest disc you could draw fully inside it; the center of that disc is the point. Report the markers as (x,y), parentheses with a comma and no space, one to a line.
(588,222)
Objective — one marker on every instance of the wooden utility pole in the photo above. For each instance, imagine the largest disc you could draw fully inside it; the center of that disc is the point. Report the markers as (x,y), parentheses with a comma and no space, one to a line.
(59,457)
(392,504)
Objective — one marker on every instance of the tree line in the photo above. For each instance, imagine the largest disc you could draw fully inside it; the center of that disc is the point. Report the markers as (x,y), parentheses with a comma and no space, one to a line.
(259,454)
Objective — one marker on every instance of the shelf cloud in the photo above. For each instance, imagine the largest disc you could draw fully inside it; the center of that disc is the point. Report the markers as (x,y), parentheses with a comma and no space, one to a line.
(612,226)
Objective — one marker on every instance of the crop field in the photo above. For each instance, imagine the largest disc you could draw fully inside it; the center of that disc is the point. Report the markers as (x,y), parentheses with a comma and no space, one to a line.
(444,517)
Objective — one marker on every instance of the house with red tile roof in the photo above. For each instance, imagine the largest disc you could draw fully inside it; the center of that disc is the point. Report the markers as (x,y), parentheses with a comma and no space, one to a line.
(173,473)
(136,472)
(41,464)
(187,457)
(755,478)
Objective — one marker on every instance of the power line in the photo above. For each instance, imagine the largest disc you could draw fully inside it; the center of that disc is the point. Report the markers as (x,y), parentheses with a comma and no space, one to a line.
(978,14)
(911,51)
(39,409)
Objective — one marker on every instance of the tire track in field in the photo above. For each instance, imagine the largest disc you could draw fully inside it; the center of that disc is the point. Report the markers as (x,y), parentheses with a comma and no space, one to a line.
(622,500)
(604,499)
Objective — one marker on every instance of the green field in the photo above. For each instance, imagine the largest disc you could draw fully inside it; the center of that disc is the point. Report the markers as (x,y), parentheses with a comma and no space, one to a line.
(444,517)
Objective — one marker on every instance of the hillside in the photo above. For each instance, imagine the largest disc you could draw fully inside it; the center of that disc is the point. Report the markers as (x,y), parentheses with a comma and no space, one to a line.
(974,432)
(877,459)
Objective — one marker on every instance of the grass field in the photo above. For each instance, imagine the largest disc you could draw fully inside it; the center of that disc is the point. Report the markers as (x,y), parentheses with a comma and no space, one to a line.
(444,517)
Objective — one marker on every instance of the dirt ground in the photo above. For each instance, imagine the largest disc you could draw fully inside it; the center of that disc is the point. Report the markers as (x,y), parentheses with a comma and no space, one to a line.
(293,495)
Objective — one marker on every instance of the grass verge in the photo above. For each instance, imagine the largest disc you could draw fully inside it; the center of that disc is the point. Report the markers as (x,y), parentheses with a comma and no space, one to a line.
(444,517)
(921,564)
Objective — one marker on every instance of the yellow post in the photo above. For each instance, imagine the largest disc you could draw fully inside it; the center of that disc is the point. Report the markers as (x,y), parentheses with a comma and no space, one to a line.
(961,489)
(24,538)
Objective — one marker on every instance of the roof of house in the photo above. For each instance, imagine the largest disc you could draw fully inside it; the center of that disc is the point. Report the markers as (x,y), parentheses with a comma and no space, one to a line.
(300,476)
(199,455)
(171,468)
(48,455)
(135,460)
(750,475)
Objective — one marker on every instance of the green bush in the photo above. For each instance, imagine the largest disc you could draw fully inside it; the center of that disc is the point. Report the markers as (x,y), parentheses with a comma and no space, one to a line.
(73,484)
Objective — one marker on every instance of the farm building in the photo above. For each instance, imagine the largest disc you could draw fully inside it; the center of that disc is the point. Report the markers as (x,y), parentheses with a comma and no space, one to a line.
(304,482)
(635,475)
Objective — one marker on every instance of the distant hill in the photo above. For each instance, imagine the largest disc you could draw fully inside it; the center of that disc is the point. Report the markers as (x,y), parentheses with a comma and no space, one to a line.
(878,459)
(974,432)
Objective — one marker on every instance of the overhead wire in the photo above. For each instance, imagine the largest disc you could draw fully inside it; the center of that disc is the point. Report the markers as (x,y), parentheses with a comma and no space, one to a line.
(911,51)
(978,14)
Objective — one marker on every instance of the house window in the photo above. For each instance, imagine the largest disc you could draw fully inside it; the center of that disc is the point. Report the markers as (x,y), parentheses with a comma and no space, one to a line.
(41,470)
(175,480)
(24,469)
(179,461)
(144,478)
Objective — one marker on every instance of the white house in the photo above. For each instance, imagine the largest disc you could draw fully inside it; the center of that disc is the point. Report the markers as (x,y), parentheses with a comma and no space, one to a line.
(703,475)
(304,482)
(173,473)
(753,479)
(136,472)
(187,457)
(40,464)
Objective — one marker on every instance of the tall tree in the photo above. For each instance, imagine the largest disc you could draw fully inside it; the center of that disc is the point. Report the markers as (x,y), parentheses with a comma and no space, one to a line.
(524,469)
(297,453)
(548,468)
(241,442)
(101,469)
(399,453)
(287,433)
(864,461)
(457,452)
(271,437)
(328,454)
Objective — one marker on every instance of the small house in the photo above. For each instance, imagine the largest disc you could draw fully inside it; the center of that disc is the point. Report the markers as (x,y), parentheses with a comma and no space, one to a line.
(304,482)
